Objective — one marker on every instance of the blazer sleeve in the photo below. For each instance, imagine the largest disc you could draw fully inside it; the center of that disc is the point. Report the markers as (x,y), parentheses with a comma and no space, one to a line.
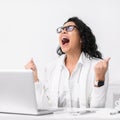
(41,92)
(98,95)
(42,88)
(42,96)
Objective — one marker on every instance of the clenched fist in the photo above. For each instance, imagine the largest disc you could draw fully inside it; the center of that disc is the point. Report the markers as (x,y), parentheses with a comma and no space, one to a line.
(31,65)
(101,68)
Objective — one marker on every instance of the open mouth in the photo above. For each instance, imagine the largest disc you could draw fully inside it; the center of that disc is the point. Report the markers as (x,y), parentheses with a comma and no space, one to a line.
(65,40)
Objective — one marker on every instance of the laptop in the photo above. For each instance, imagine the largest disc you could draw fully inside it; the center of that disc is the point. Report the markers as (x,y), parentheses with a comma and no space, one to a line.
(17,93)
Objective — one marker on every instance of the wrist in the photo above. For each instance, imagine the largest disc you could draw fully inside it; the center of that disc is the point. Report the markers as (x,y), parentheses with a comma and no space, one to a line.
(36,79)
(100,78)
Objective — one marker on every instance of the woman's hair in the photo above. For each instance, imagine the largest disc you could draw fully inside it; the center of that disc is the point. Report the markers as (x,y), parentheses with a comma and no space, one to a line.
(88,40)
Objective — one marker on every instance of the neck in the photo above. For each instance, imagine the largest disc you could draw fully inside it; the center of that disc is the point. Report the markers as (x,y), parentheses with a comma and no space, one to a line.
(72,58)
(71,61)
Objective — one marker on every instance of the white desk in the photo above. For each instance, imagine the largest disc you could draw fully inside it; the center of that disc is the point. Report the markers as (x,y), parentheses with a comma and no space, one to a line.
(101,114)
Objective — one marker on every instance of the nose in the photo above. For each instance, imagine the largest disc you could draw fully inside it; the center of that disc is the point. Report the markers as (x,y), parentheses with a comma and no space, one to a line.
(64,31)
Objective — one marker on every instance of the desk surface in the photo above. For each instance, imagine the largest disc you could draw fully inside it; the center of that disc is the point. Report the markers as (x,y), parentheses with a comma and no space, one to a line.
(98,114)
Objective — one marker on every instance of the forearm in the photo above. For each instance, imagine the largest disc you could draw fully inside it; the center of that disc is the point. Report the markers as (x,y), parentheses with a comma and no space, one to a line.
(42,95)
(98,97)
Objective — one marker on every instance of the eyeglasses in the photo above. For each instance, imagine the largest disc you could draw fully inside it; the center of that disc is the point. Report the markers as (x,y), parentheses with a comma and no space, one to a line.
(67,28)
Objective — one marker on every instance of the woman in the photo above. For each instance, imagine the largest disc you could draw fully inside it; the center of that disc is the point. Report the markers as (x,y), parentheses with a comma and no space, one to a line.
(79,77)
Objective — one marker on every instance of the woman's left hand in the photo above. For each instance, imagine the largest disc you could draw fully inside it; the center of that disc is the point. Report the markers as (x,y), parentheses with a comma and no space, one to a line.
(101,68)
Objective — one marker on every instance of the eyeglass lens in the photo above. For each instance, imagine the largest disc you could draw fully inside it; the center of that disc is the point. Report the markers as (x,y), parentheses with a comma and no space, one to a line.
(67,28)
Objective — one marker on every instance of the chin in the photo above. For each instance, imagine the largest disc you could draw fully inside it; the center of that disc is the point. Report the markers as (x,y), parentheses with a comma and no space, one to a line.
(65,50)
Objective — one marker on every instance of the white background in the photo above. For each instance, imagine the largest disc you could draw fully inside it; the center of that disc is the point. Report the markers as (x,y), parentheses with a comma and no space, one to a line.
(28,30)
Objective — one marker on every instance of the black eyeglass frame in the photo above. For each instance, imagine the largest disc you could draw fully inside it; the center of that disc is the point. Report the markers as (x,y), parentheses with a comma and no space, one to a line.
(67,28)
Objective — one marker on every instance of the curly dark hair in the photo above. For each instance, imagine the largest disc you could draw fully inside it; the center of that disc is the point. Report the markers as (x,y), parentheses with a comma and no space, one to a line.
(89,46)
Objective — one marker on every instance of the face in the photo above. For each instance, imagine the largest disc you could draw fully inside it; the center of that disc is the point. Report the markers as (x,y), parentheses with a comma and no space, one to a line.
(69,38)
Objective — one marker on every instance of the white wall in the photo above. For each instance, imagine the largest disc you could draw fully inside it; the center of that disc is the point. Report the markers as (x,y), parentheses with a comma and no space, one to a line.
(28,29)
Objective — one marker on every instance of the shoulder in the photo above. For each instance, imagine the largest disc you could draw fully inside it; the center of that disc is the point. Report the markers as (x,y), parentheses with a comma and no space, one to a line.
(95,60)
(89,60)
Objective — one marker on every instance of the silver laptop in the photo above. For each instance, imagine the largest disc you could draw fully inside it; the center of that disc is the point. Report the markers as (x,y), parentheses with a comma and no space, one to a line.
(17,93)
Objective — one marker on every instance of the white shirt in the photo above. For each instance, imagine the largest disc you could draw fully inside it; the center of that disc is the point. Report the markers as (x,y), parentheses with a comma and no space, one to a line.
(68,89)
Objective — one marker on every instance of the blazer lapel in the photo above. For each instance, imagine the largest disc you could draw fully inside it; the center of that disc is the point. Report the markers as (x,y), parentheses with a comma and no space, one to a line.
(83,83)
(55,86)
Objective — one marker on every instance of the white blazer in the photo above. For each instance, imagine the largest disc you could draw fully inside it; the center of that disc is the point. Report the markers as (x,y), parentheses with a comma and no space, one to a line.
(89,96)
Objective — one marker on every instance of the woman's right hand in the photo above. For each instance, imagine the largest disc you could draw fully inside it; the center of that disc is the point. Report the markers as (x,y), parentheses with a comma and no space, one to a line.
(31,65)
